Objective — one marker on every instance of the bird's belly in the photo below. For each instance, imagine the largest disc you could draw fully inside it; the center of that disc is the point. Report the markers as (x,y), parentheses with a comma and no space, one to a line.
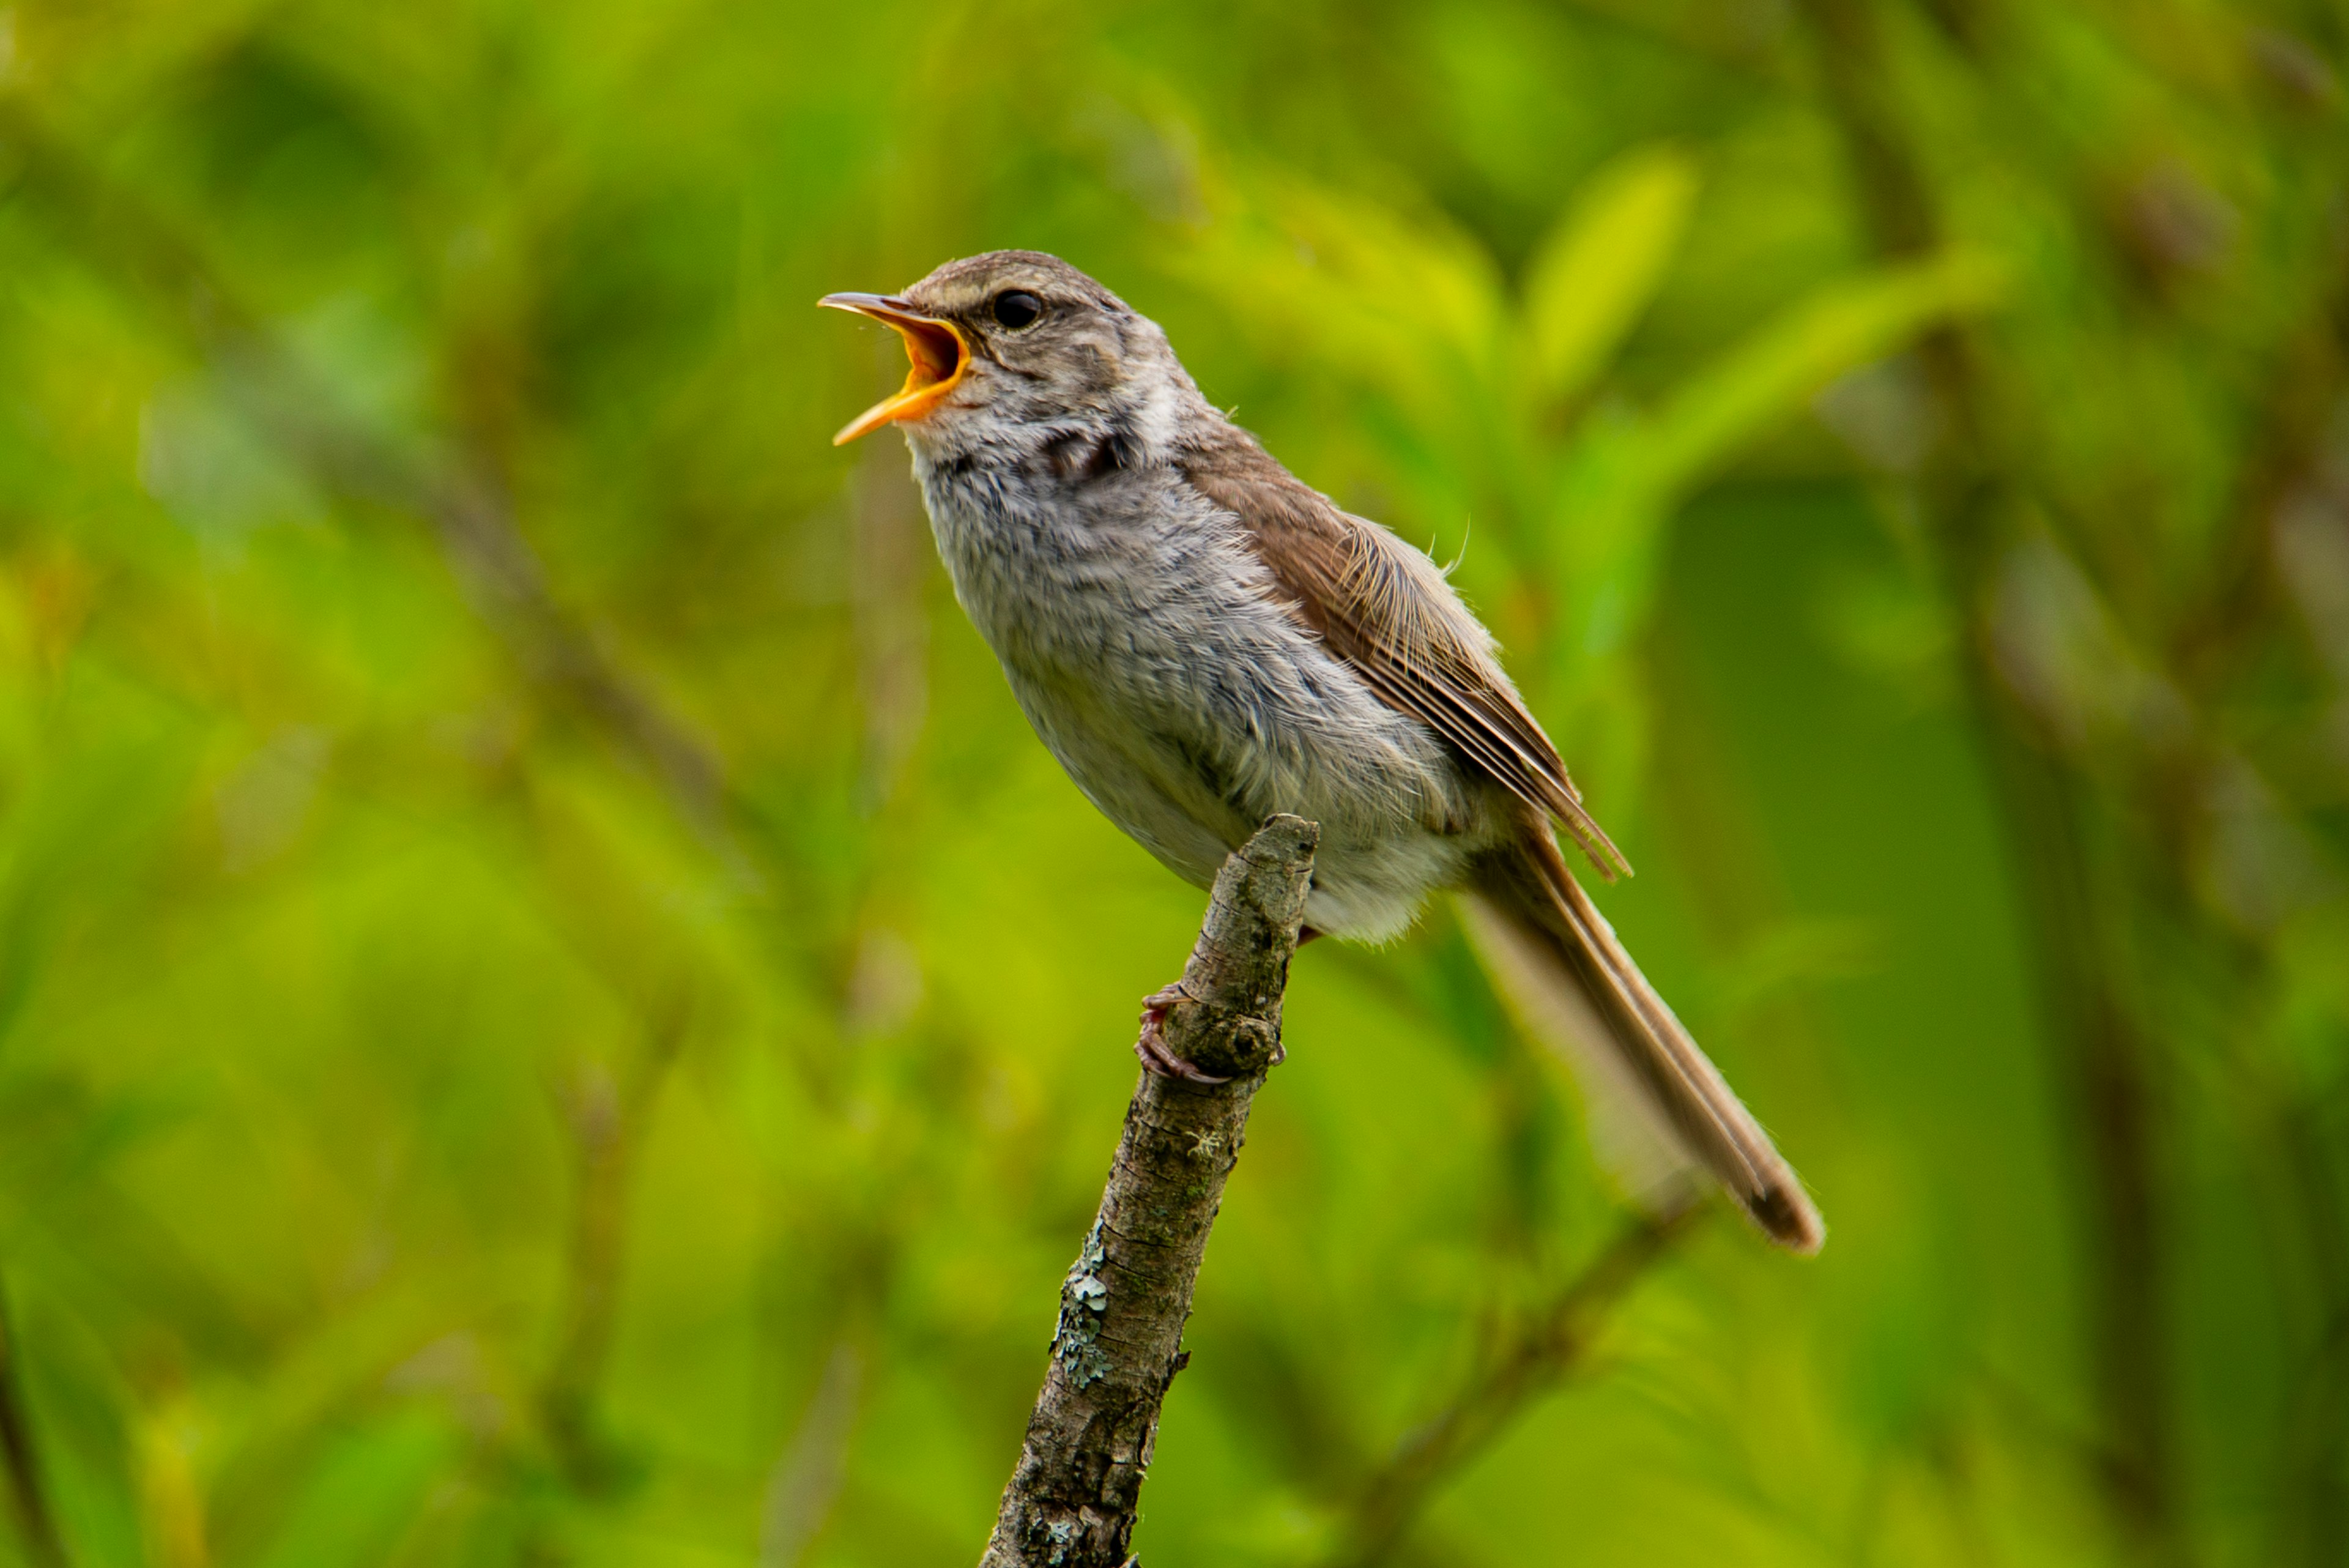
(1372,893)
(1190,794)
(1188,706)
(1126,783)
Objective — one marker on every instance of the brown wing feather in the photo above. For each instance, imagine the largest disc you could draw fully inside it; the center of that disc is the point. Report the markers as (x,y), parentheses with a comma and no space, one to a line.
(1384,608)
(1528,887)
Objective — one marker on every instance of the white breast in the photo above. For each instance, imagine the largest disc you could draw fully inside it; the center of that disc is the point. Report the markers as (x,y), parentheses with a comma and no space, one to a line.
(1147,645)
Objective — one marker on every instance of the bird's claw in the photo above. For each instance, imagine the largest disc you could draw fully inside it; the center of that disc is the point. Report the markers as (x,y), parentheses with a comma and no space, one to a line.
(1149,1045)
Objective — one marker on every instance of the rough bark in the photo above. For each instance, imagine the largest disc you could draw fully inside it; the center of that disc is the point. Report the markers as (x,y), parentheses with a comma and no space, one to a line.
(1073,1499)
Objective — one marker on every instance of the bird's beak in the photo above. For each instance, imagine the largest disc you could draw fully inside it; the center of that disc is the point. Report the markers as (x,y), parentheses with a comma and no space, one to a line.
(940,354)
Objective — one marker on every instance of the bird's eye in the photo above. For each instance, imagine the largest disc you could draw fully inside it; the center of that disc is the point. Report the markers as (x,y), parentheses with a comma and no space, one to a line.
(1017,309)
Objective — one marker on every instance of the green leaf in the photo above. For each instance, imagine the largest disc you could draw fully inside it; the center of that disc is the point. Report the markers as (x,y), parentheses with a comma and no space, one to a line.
(1621,478)
(1602,264)
(365,1491)
(1778,367)
(1400,301)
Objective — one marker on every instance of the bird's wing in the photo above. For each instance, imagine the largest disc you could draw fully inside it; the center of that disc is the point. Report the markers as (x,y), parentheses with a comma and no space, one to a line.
(1385,609)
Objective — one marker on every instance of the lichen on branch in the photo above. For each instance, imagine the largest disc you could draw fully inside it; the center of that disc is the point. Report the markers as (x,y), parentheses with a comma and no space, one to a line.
(1073,1499)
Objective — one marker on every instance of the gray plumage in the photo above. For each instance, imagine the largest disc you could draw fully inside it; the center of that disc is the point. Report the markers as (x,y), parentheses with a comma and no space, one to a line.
(1202,641)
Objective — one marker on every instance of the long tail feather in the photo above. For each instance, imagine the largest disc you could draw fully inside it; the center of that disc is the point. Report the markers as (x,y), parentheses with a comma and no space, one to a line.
(1550,946)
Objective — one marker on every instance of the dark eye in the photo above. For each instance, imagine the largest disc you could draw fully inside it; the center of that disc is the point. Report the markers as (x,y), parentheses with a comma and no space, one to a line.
(1018,308)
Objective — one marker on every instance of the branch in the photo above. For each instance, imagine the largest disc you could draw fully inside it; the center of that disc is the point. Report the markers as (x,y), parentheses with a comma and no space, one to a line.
(1073,1499)
(1535,1361)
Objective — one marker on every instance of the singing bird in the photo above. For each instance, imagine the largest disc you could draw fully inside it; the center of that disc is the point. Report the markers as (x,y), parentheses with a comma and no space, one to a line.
(1203,639)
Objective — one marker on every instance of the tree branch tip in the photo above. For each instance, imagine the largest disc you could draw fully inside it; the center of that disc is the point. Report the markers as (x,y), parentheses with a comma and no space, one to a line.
(1283,840)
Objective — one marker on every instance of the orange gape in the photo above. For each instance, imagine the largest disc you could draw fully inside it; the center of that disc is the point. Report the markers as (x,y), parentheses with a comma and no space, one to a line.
(937,348)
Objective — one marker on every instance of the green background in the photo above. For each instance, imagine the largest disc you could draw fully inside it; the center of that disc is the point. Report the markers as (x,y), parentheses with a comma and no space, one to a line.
(551,1010)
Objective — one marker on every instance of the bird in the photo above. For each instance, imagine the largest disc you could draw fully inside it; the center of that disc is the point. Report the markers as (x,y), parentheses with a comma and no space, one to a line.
(1203,639)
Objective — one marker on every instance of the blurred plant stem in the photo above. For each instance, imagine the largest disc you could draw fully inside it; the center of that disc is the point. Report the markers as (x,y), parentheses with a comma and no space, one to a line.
(806,1481)
(26,1494)
(1524,1365)
(139,249)
(1971,495)
(608,1124)
(458,489)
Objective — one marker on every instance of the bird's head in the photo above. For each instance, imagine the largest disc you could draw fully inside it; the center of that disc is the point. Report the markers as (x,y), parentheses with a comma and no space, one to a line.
(1015,343)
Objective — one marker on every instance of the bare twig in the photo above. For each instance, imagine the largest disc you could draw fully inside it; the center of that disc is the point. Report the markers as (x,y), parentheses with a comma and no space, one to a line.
(1528,1365)
(1073,1496)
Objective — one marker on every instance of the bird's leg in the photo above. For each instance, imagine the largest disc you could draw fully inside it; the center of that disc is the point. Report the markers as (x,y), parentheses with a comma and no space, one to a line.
(1149,1045)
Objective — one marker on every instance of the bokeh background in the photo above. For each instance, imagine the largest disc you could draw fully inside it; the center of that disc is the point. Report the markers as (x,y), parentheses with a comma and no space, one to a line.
(553,1012)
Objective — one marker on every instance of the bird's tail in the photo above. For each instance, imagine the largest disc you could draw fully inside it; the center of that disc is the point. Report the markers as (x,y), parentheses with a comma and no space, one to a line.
(1659,1106)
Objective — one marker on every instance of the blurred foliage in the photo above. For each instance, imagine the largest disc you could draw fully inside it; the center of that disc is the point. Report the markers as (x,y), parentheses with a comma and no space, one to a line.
(543,1014)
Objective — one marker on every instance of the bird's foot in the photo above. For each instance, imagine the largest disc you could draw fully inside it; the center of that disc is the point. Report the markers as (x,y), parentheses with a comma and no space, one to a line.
(1149,1045)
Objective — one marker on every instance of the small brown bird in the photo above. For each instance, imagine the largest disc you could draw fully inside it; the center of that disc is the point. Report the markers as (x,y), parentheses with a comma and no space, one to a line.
(1202,641)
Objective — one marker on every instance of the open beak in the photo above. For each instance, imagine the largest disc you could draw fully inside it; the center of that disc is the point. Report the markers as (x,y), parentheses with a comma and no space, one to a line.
(937,350)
